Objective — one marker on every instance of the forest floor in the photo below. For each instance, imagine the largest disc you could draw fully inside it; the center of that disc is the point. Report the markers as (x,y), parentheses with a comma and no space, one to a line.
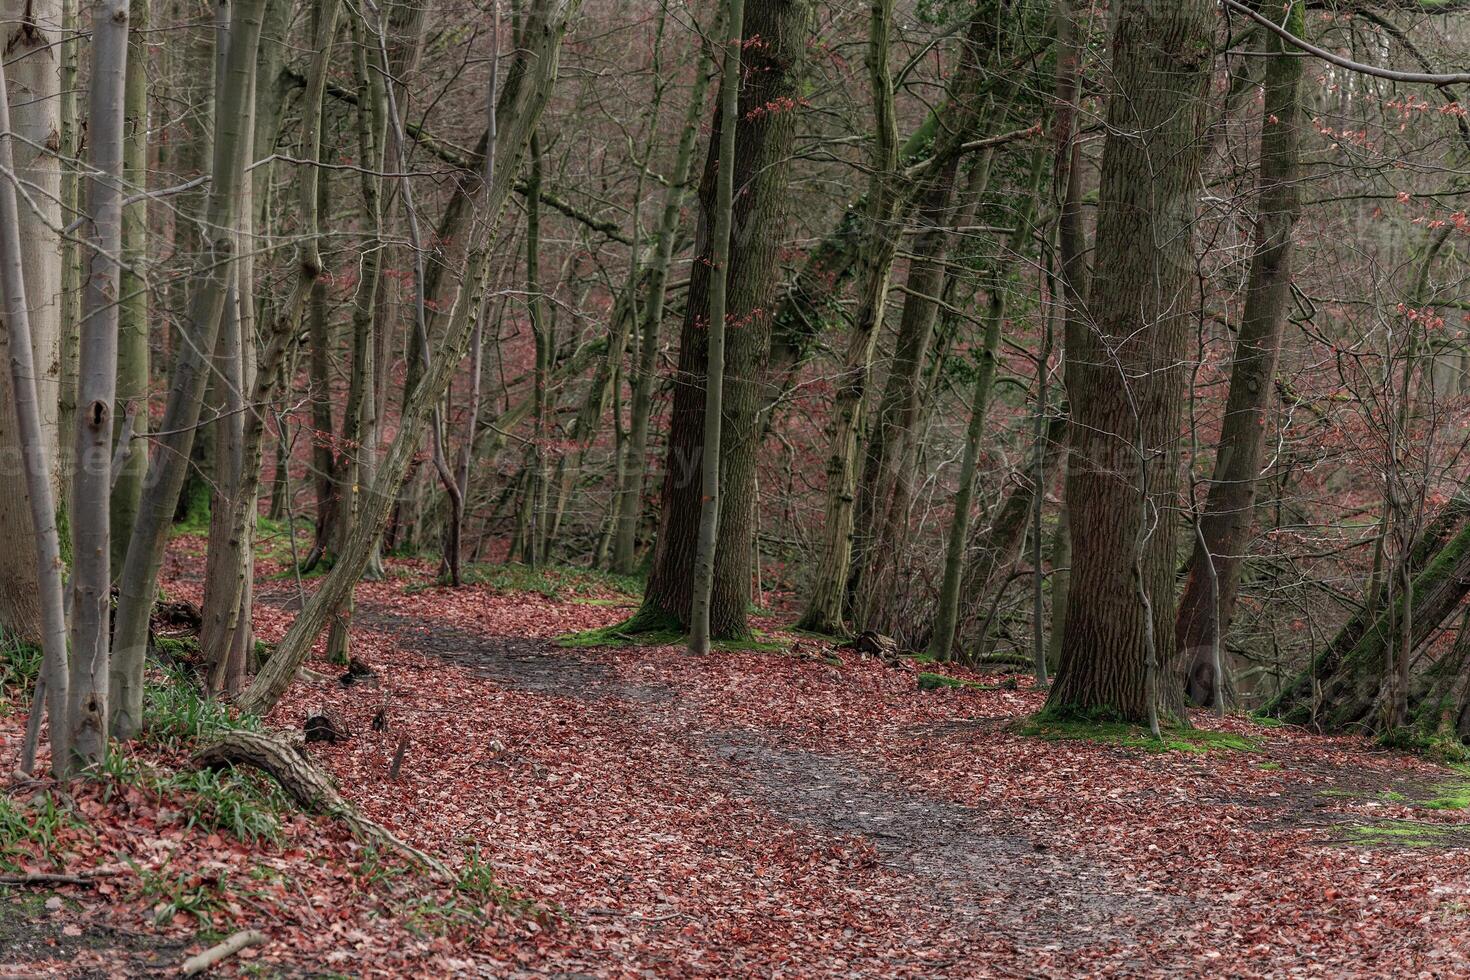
(792,810)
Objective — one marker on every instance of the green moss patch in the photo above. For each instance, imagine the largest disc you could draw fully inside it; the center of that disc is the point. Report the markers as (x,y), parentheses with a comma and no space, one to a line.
(1403,833)
(936,682)
(1172,739)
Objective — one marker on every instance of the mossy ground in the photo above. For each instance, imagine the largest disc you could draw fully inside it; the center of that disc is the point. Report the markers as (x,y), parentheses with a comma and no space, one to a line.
(660,635)
(1171,738)
(1403,833)
(572,582)
(929,681)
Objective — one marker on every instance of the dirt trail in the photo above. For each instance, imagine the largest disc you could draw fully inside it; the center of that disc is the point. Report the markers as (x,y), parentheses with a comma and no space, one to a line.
(967,870)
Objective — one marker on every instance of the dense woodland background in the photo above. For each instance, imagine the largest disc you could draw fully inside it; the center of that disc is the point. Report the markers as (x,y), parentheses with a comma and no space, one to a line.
(1122,341)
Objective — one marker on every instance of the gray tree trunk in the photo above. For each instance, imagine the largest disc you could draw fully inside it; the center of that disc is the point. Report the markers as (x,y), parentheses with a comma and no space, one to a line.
(31,31)
(97,390)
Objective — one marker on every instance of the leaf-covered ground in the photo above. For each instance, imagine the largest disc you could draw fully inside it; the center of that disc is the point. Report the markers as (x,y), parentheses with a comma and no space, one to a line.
(752,813)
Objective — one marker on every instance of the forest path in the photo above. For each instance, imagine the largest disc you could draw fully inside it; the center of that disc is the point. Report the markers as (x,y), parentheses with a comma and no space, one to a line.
(976,878)
(773,814)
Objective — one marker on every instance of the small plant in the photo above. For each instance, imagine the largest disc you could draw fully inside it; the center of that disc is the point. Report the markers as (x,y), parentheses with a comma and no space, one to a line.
(239,803)
(183,892)
(33,829)
(20,663)
(175,715)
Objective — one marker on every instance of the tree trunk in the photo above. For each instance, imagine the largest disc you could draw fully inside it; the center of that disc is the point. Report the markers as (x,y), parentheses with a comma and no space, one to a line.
(1122,477)
(31,31)
(169,464)
(97,389)
(37,461)
(763,149)
(1224,525)
(133,305)
(714,381)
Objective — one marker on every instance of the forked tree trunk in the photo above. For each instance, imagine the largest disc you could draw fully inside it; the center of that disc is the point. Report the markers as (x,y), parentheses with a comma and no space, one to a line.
(1122,477)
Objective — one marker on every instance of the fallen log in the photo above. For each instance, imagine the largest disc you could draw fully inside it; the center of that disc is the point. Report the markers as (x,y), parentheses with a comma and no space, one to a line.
(311,788)
(221,951)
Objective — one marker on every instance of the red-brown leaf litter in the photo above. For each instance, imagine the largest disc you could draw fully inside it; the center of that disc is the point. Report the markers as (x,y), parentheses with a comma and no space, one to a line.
(797,811)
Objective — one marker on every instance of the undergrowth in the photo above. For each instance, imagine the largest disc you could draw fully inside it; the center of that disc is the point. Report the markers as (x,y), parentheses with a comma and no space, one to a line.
(33,828)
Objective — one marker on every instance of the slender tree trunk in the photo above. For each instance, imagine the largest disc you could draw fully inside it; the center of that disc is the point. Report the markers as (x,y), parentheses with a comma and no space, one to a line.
(826,606)
(31,30)
(1122,477)
(174,441)
(133,306)
(97,389)
(1214,571)
(946,617)
(70,299)
(714,383)
(36,461)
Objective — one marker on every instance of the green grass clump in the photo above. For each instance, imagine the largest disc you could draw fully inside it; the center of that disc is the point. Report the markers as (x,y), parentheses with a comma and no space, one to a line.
(33,828)
(20,664)
(246,804)
(176,715)
(1171,739)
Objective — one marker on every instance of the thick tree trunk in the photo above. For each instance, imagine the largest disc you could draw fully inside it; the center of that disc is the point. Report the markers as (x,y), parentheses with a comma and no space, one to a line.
(1208,602)
(763,150)
(1122,477)
(32,32)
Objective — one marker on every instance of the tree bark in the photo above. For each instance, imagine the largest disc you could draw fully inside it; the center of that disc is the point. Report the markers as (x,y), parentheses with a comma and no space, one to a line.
(1122,477)
(1208,602)
(33,36)
(763,150)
